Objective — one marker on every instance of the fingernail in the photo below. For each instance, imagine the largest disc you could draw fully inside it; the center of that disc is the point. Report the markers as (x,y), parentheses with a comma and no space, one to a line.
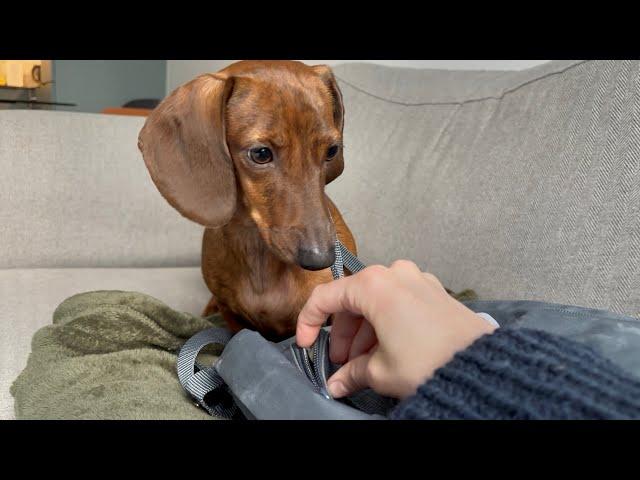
(336,389)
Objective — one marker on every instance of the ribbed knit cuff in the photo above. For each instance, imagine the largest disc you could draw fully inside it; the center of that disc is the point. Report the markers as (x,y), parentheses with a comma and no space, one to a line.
(525,374)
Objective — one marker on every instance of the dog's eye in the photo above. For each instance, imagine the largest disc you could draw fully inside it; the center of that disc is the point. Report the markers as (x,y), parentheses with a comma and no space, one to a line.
(332,151)
(261,155)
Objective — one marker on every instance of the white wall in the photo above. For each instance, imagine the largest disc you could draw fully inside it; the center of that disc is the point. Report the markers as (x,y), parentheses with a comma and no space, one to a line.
(181,71)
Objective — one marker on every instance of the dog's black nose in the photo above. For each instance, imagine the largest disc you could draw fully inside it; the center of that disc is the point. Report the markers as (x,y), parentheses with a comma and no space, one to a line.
(316,258)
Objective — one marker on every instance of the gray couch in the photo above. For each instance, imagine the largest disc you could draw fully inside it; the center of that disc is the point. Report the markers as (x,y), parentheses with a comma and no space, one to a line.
(520,185)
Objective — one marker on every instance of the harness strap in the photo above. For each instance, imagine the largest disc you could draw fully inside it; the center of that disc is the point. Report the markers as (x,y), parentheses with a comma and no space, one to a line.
(344,258)
(337,269)
(350,261)
(200,381)
(320,368)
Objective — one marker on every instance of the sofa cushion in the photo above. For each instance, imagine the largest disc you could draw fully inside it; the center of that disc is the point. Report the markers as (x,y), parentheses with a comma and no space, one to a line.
(519,185)
(29,297)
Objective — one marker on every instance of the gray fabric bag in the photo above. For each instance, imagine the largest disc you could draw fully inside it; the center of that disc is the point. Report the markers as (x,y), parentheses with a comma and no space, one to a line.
(258,379)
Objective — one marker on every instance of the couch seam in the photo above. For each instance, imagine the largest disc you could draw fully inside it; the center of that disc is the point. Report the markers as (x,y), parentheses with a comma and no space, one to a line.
(463,102)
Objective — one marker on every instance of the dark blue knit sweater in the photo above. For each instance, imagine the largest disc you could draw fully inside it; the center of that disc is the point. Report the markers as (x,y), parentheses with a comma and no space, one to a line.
(525,374)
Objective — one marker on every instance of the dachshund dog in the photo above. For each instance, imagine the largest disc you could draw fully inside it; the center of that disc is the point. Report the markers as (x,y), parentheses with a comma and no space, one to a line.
(246,152)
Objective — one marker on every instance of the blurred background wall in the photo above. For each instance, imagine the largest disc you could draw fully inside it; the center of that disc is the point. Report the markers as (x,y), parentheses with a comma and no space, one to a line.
(97,84)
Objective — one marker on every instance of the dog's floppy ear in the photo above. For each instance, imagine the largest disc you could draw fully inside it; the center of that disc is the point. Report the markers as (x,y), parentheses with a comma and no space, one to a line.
(335,166)
(184,146)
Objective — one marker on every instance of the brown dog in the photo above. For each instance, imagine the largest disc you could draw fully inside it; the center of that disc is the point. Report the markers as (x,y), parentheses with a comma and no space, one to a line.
(246,152)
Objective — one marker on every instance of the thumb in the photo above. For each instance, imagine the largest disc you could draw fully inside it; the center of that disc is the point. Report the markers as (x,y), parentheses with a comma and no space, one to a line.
(352,377)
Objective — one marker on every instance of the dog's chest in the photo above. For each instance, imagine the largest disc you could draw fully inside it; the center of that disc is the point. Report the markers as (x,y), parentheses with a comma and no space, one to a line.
(278,297)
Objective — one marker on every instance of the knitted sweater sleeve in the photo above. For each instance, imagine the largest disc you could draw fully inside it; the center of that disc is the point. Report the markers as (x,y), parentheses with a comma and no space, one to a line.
(525,374)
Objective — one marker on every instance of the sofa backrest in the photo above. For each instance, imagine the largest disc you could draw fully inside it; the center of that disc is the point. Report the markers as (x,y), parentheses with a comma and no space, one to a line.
(74,192)
(519,185)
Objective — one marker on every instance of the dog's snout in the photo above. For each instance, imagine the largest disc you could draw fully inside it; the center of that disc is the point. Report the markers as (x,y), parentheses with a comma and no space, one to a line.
(315,258)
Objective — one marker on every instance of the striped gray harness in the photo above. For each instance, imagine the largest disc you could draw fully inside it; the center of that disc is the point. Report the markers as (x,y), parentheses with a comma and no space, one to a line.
(297,377)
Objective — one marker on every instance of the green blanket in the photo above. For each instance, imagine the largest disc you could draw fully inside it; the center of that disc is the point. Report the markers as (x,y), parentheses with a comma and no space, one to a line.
(112,355)
(109,355)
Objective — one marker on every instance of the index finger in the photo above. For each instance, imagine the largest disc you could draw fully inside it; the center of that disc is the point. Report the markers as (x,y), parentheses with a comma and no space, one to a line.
(328,298)
(356,294)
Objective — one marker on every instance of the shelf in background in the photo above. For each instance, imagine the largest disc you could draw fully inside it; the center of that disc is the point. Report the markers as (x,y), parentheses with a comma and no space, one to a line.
(137,112)
(39,102)
(7,87)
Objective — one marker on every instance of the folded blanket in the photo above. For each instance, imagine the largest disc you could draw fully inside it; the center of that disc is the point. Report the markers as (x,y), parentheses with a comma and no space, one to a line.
(109,355)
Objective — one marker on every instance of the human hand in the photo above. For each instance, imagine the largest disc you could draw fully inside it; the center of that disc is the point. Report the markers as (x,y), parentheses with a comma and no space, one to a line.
(393,328)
